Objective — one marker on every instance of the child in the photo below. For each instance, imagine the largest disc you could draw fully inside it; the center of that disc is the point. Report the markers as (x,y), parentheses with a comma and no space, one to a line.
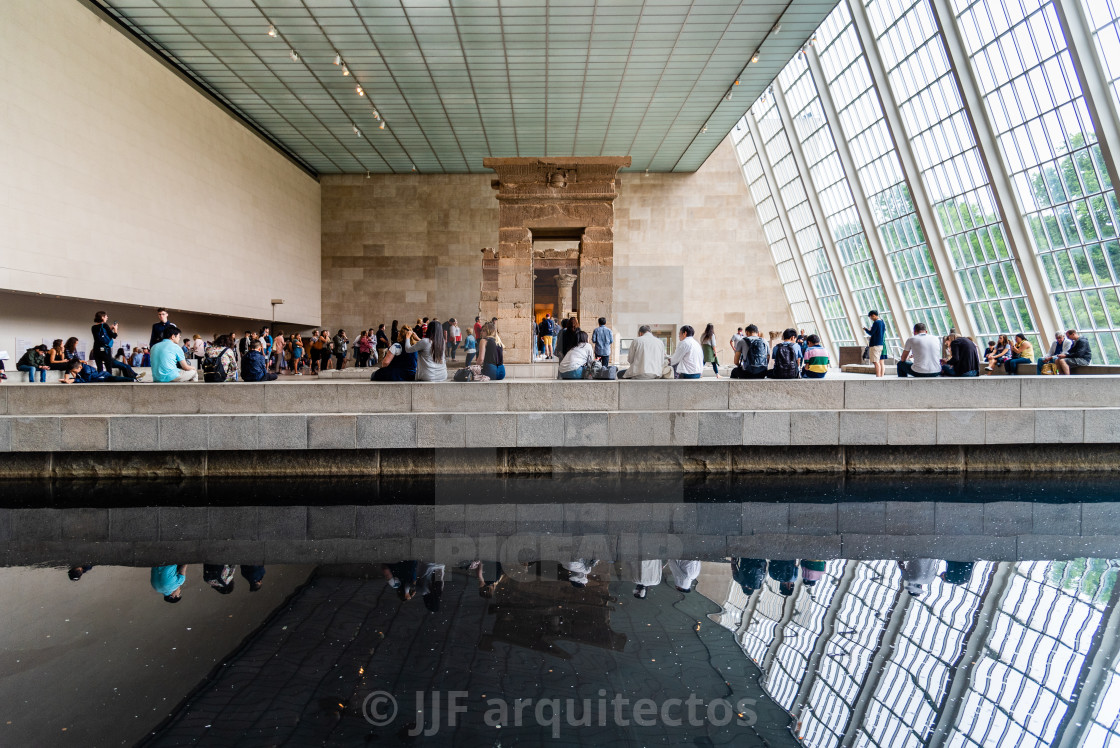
(471,347)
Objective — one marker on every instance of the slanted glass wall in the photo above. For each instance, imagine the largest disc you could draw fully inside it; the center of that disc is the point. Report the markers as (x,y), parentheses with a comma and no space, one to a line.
(1031,157)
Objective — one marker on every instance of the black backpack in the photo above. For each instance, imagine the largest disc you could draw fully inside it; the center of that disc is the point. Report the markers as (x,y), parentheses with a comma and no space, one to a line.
(213,370)
(756,354)
(785,362)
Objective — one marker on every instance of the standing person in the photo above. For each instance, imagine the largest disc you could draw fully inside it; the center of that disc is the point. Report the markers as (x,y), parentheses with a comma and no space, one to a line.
(787,357)
(470,347)
(708,345)
(103,336)
(491,353)
(816,359)
(478,328)
(341,343)
(198,348)
(169,363)
(243,344)
(280,361)
(382,341)
(1022,352)
(603,338)
(876,339)
(752,357)
(568,337)
(158,327)
(646,356)
(364,348)
(447,338)
(456,337)
(297,355)
(1080,354)
(926,351)
(736,338)
(34,360)
(430,350)
(137,356)
(394,333)
(266,341)
(315,346)
(325,350)
(688,359)
(544,332)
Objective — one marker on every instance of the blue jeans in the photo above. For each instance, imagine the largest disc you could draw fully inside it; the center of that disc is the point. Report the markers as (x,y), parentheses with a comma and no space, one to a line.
(470,357)
(906,369)
(949,371)
(688,376)
(1012,365)
(497,373)
(31,373)
(574,374)
(806,374)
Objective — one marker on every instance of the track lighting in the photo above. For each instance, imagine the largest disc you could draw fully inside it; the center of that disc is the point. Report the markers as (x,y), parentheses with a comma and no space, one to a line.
(754,57)
(376,115)
(704,128)
(727,97)
(337,58)
(345,70)
(359,90)
(272,31)
(382,125)
(294,55)
(357,131)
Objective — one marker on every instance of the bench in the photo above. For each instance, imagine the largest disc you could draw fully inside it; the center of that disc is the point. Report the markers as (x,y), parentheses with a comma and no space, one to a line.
(54,375)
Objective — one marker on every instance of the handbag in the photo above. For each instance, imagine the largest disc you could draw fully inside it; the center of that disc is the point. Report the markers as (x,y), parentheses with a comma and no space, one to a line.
(606,372)
(1049,368)
(866,355)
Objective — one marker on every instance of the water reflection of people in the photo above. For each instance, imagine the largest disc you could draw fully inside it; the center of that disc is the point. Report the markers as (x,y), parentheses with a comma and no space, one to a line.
(957,572)
(784,572)
(578,570)
(219,577)
(685,573)
(490,575)
(918,574)
(410,578)
(812,571)
(401,576)
(645,574)
(429,583)
(168,581)
(750,573)
(254,575)
(77,572)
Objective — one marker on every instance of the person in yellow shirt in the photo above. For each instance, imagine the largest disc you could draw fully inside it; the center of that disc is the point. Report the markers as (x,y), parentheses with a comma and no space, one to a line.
(1022,352)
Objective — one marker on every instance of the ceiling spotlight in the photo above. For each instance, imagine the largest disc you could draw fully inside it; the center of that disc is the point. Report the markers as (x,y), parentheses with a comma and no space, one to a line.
(367,173)
(357,131)
(382,125)
(736,81)
(813,39)
(345,70)
(414,167)
(778,29)
(646,174)
(727,97)
(337,58)
(754,57)
(294,55)
(272,31)
(359,90)
(704,128)
(376,115)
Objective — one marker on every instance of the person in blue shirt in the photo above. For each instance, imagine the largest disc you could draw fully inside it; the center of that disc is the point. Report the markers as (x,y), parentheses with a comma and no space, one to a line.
(169,363)
(876,339)
(254,366)
(168,581)
(602,338)
(82,373)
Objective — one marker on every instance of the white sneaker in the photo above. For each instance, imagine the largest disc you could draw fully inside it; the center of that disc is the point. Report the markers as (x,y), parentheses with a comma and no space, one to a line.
(140,376)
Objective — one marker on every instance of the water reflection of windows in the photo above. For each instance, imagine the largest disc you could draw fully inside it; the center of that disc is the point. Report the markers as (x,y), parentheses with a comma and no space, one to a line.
(916,676)
(1031,90)
(952,170)
(767,211)
(863,614)
(759,633)
(835,195)
(800,635)
(1024,678)
(879,171)
(800,215)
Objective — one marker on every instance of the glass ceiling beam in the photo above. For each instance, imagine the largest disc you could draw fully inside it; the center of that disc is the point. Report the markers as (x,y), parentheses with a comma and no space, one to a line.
(1041,304)
(950,283)
(863,207)
(845,290)
(783,217)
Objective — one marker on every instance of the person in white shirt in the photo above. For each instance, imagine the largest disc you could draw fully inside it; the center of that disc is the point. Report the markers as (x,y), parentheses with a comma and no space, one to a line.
(689,357)
(576,361)
(646,356)
(926,351)
(685,573)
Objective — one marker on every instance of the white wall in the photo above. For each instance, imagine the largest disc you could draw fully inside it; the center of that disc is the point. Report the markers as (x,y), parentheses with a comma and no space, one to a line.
(119,182)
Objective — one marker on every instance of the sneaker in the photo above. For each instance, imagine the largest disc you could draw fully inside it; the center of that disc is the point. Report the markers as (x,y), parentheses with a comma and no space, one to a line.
(141,377)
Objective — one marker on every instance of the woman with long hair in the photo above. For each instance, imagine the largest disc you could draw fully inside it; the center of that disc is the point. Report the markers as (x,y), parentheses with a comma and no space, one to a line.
(708,344)
(398,365)
(297,354)
(1002,352)
(430,365)
(490,353)
(56,356)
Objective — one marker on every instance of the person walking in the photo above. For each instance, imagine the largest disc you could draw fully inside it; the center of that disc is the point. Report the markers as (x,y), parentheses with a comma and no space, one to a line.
(708,344)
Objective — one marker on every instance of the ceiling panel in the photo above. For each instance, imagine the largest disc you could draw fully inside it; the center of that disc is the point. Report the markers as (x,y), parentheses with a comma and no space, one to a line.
(456,81)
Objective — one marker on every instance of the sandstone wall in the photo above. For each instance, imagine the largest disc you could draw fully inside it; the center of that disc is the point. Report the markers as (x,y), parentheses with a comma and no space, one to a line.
(687,248)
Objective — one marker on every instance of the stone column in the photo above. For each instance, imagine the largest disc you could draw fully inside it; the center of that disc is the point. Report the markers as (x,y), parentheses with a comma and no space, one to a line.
(564,283)
(596,276)
(515,291)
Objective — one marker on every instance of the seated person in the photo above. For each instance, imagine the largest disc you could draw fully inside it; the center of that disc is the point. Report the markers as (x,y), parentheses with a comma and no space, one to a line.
(57,357)
(1059,346)
(688,359)
(1021,353)
(254,366)
(926,351)
(397,365)
(34,360)
(169,363)
(752,357)
(82,373)
(1002,353)
(1080,354)
(578,360)
(964,359)
(816,359)
(222,357)
(646,356)
(787,357)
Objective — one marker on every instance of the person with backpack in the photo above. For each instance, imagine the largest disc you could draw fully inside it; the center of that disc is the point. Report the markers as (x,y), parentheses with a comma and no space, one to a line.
(751,356)
(545,333)
(787,357)
(219,364)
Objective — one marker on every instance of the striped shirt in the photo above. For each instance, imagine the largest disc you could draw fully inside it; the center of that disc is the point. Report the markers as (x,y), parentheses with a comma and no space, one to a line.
(816,360)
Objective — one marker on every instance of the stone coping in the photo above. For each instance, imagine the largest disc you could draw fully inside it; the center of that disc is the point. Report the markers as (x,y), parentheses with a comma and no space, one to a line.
(995,531)
(346,397)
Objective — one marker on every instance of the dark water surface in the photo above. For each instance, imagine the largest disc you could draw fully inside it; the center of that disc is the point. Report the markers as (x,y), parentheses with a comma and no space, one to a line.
(764,649)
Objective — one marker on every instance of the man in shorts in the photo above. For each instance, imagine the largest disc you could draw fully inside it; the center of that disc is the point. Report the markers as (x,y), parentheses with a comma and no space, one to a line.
(876,339)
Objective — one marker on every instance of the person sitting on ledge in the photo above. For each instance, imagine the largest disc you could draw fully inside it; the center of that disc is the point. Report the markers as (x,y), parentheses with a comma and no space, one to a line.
(82,373)
(169,364)
(926,351)
(688,359)
(397,365)
(1021,353)
(254,366)
(646,356)
(576,361)
(752,357)
(1060,345)
(816,359)
(1080,354)
(964,359)
(490,352)
(34,360)
(431,349)
(787,357)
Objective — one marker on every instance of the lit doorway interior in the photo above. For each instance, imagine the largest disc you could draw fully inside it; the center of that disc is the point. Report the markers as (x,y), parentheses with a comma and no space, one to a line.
(555,280)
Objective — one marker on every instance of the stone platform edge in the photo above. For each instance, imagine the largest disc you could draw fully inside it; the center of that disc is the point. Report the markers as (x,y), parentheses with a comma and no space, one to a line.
(1038,459)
